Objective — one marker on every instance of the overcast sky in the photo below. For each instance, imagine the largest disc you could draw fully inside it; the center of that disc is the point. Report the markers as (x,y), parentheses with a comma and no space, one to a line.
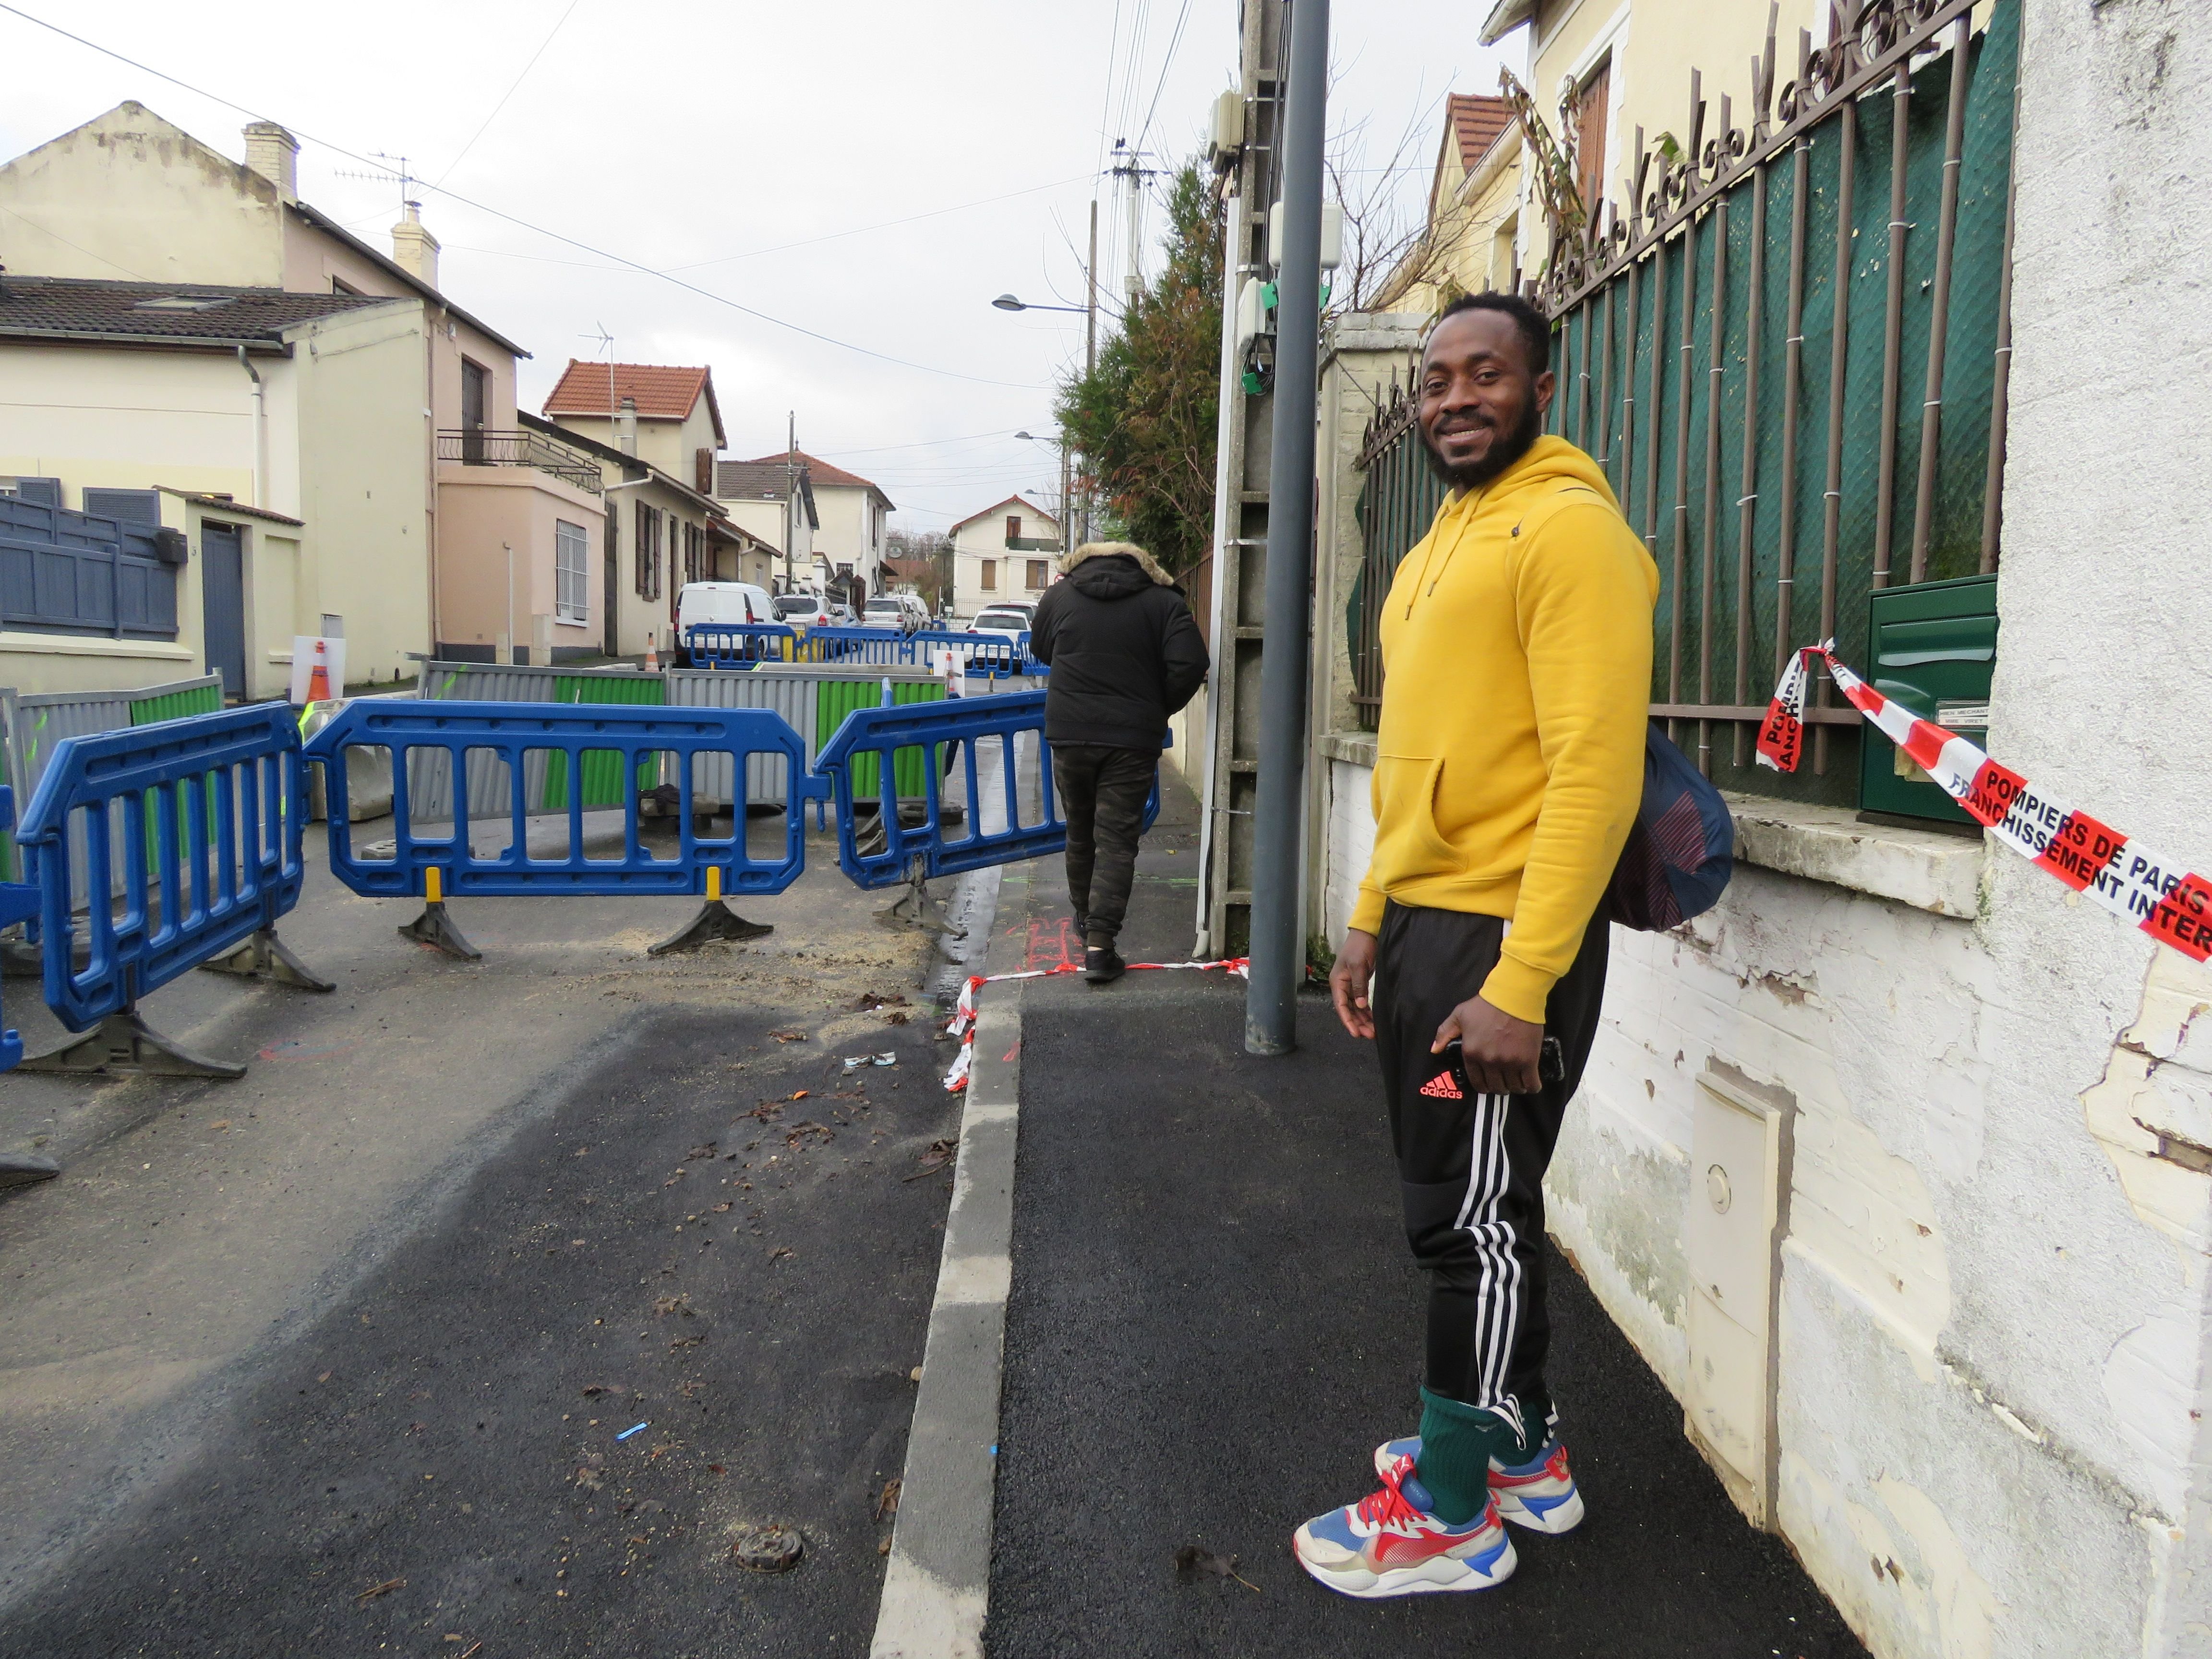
(763,153)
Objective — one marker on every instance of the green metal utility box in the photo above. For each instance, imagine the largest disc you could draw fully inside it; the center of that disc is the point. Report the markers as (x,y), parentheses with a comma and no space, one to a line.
(1932,647)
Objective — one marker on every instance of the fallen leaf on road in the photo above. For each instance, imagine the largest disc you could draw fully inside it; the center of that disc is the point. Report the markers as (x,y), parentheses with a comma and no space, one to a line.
(895,1019)
(780,1251)
(219,1123)
(939,1154)
(888,1504)
(1190,1560)
(707,1150)
(788,1036)
(384,1589)
(674,1304)
(604,1387)
(325,1377)
(721,1209)
(799,1094)
(671,1180)
(869,1001)
(800,1133)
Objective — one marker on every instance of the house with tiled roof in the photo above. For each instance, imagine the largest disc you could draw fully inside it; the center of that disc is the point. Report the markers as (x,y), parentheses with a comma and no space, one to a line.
(1004,552)
(851,518)
(413,519)
(666,416)
(1474,216)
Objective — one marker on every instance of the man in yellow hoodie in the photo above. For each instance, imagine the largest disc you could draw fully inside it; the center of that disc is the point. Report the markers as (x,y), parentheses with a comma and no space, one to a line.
(1516,639)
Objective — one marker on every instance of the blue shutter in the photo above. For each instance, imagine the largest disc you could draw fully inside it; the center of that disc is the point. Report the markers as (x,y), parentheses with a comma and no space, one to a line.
(45,492)
(66,572)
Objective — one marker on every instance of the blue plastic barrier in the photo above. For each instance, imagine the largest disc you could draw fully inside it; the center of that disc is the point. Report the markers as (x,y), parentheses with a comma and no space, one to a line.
(885,646)
(19,902)
(579,748)
(198,823)
(993,827)
(741,644)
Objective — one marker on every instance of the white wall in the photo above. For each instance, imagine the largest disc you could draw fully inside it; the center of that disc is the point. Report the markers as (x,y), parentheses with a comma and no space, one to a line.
(984,537)
(1991,1317)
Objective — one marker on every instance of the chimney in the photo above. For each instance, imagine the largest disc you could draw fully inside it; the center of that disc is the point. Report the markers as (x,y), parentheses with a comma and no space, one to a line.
(413,248)
(626,426)
(275,155)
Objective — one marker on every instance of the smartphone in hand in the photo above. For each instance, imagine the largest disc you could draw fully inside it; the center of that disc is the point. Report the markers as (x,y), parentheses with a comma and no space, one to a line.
(1551,1063)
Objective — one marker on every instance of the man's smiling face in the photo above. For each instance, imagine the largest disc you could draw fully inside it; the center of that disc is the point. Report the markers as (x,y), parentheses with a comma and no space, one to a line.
(1480,407)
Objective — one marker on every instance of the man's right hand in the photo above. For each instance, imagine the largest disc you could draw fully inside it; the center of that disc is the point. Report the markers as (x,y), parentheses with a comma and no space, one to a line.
(1348,982)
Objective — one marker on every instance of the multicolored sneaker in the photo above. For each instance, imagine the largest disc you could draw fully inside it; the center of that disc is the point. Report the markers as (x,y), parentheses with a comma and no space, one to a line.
(1539,1494)
(1390,1544)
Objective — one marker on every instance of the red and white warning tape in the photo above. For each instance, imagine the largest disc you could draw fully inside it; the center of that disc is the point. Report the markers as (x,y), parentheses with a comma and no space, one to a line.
(964,1012)
(2140,886)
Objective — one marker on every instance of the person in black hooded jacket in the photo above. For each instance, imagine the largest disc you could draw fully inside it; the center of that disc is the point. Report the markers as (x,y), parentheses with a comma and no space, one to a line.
(1125,653)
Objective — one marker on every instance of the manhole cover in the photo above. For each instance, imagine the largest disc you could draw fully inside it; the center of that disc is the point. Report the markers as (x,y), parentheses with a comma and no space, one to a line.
(774,1548)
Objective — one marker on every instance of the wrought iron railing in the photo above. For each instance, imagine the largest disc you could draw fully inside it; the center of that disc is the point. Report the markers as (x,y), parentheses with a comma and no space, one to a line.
(482,447)
(1738,353)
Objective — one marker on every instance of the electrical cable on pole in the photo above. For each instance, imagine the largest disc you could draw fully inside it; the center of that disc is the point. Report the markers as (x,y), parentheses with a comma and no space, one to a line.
(1277,952)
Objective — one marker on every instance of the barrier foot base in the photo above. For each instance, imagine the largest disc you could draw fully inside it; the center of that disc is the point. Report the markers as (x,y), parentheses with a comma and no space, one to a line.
(124,1042)
(23,1168)
(266,957)
(715,921)
(920,907)
(434,928)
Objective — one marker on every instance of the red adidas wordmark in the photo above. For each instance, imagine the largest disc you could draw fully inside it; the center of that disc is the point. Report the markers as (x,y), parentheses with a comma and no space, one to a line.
(1441,1087)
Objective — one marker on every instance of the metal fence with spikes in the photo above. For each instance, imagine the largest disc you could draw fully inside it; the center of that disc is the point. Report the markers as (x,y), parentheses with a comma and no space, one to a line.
(1739,350)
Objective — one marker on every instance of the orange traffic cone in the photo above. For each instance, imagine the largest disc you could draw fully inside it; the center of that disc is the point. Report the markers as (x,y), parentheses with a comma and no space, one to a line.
(319,677)
(652,652)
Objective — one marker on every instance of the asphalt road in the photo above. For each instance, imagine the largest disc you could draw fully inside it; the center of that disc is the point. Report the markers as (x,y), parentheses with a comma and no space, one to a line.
(438,1456)
(1214,1321)
(275,1343)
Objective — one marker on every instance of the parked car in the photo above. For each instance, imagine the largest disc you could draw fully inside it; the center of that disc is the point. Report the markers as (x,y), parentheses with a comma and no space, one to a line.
(1010,620)
(697,603)
(904,611)
(802,610)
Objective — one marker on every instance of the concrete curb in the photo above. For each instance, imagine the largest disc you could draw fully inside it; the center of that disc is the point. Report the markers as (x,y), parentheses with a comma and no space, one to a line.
(936,1586)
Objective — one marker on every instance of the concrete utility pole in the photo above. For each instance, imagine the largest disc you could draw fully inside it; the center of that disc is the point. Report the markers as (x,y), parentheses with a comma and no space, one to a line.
(1278,954)
(1249,170)
(1090,338)
(790,497)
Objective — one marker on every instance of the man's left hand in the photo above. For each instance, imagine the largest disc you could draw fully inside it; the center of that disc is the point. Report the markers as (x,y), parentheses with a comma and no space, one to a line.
(1501,1053)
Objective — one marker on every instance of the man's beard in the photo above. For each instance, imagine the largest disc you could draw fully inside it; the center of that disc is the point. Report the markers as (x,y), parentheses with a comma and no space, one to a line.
(1504,449)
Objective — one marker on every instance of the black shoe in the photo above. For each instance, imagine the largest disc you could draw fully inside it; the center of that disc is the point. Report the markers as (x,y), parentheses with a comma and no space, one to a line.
(1103,964)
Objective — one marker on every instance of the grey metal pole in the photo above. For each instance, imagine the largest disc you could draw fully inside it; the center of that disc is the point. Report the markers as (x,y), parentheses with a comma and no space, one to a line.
(1278,956)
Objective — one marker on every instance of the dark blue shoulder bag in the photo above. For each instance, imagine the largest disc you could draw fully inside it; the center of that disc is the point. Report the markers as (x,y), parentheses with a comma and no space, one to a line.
(1681,849)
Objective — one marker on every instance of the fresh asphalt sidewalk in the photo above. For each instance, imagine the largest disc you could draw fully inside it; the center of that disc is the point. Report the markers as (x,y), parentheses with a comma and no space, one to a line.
(1212,1320)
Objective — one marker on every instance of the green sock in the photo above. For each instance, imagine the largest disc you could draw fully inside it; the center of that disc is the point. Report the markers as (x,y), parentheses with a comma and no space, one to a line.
(1457,1443)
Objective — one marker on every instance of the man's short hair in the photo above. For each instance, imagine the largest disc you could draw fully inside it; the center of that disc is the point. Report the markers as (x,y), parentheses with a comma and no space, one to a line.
(1535,328)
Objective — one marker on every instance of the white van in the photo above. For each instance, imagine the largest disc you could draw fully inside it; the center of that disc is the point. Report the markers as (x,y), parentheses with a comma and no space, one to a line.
(719,602)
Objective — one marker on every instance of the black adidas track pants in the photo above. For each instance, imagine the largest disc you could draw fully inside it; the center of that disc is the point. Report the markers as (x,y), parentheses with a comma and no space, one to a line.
(1470,1167)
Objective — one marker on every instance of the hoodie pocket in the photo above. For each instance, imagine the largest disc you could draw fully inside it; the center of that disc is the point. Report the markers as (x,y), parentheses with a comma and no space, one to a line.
(1407,845)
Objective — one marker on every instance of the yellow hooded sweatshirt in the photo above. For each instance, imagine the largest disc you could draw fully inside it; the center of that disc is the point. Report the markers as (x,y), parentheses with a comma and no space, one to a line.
(1517,646)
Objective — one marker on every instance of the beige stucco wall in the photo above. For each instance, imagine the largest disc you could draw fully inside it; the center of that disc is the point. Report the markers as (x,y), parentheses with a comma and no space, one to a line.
(484,510)
(853,526)
(639,618)
(1654,46)
(1470,244)
(115,418)
(672,446)
(130,198)
(357,476)
(984,537)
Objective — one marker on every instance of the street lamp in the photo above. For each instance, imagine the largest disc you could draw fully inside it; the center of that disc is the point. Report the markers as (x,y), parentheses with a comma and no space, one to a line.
(1007,303)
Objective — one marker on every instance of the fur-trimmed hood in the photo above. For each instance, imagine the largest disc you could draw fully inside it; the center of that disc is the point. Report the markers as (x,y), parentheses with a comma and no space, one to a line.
(1144,562)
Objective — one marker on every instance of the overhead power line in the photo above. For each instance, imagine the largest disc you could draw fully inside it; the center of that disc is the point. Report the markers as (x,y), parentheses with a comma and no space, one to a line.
(511,219)
(508,93)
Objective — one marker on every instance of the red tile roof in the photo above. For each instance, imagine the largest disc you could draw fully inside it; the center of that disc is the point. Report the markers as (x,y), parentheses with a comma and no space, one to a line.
(662,394)
(823,473)
(1475,120)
